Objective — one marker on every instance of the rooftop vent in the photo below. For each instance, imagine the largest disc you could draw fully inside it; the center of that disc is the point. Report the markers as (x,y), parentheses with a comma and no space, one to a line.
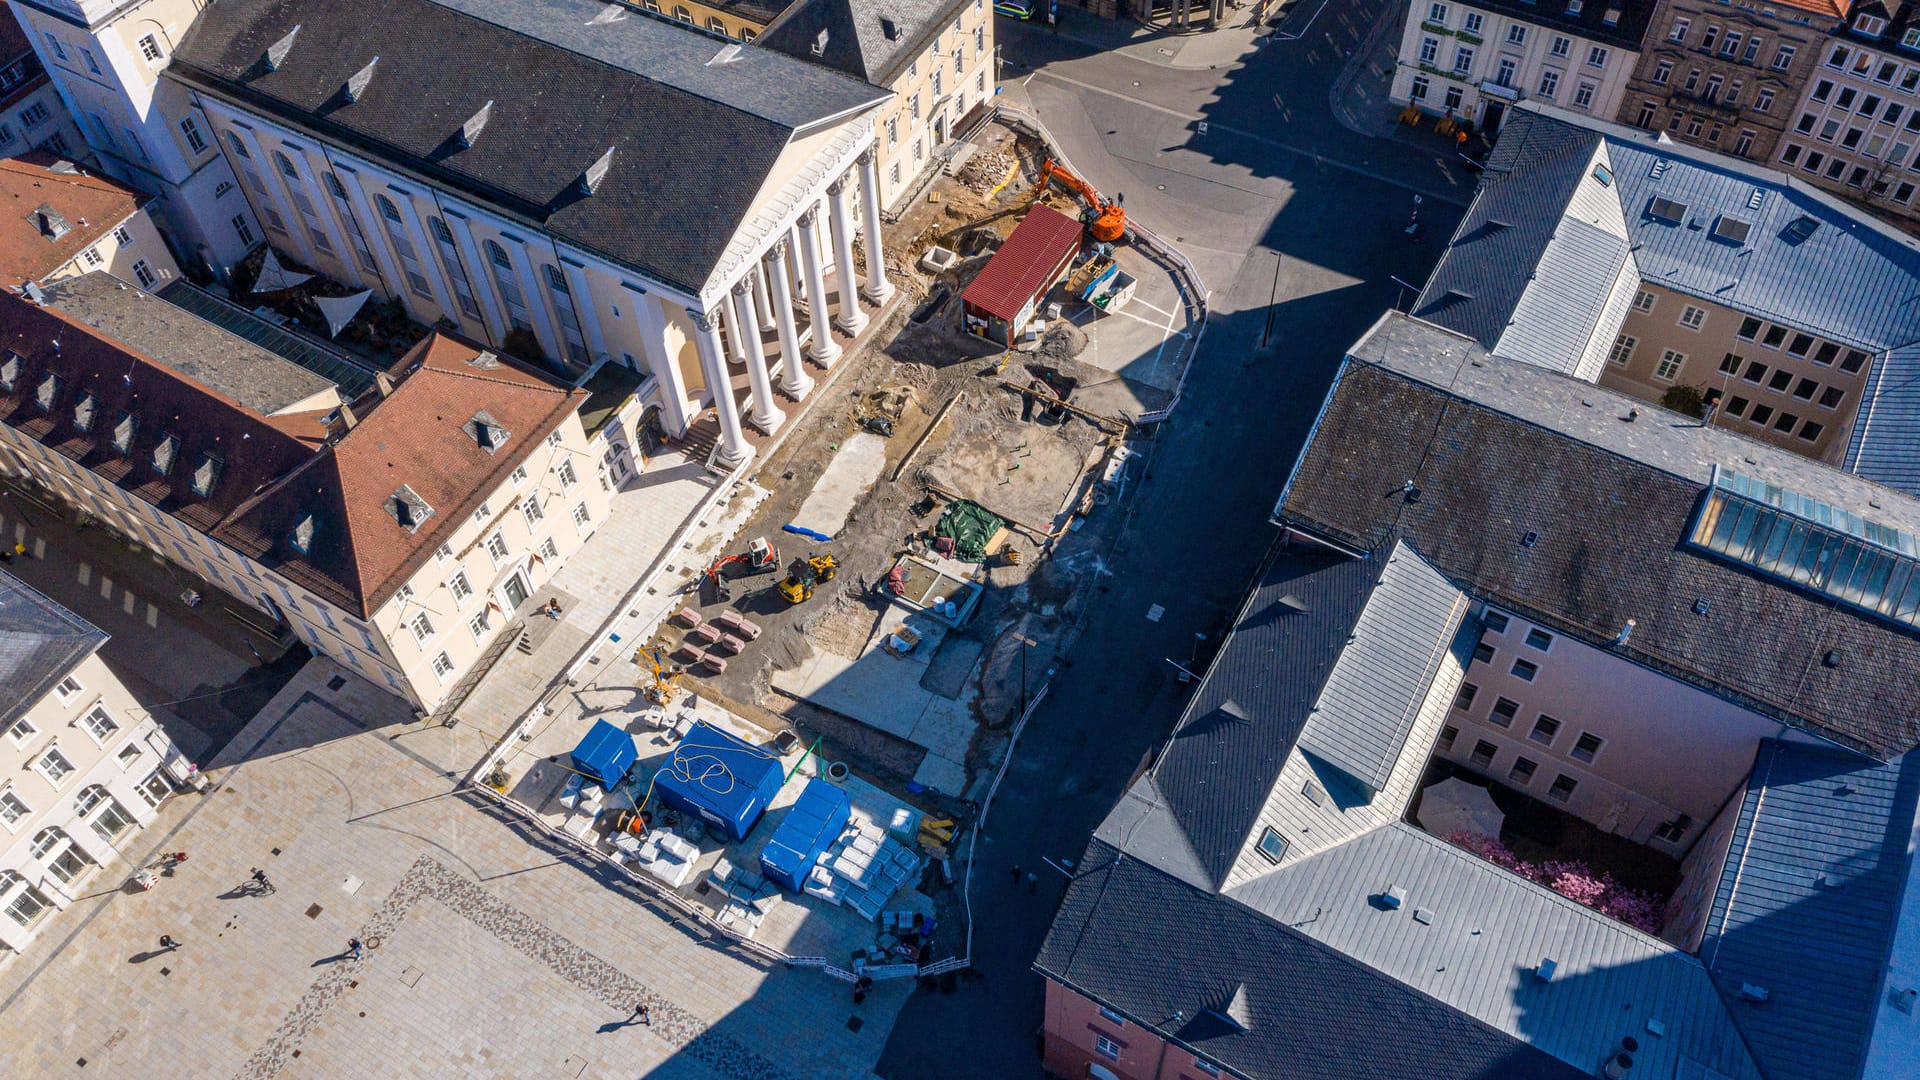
(820,43)
(1611,18)
(1235,1008)
(164,453)
(1574,6)
(123,433)
(1529,539)
(302,536)
(596,172)
(409,509)
(1903,999)
(1801,228)
(1754,200)
(9,370)
(612,13)
(1732,229)
(1700,605)
(1756,994)
(727,55)
(357,85)
(1546,969)
(486,432)
(1659,168)
(48,222)
(1618,1066)
(1667,210)
(1423,916)
(1293,603)
(83,411)
(470,131)
(890,28)
(1393,897)
(205,475)
(277,52)
(48,389)
(1625,632)
(484,360)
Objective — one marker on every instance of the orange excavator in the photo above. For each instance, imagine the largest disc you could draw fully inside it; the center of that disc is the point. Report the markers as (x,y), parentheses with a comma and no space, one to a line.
(1106,221)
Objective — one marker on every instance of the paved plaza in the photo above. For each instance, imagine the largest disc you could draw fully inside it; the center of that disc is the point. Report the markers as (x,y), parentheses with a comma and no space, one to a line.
(490,952)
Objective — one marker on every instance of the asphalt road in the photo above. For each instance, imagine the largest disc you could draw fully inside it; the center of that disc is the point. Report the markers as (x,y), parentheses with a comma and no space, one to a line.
(1298,226)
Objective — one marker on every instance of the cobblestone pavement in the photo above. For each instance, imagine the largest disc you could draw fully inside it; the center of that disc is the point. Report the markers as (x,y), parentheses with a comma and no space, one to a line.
(488,955)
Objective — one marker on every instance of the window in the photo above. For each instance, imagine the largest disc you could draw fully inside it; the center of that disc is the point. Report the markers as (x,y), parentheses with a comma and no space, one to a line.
(1831,397)
(1562,788)
(1586,747)
(1736,406)
(1749,329)
(1549,83)
(1730,45)
(1483,753)
(1561,46)
(1539,639)
(1644,302)
(1780,380)
(12,810)
(482,513)
(1710,38)
(25,903)
(549,550)
(1417,92)
(1495,622)
(1663,73)
(1668,369)
(1545,730)
(93,64)
(1516,34)
(1503,712)
(1763,101)
(1473,22)
(243,230)
(1451,100)
(59,51)
(1693,317)
(91,257)
(1429,50)
(580,515)
(1447,735)
(1597,57)
(519,474)
(1464,699)
(442,666)
(460,587)
(149,48)
(1678,31)
(1730,364)
(1462,59)
(1583,92)
(530,509)
(1761,414)
(1437,13)
(68,689)
(1855,358)
(99,723)
(1622,351)
(497,548)
(421,626)
(480,624)
(34,115)
(1522,771)
(1483,653)
(54,766)
(1670,832)
(1775,337)
(1524,670)
(568,477)
(1783,58)
(144,274)
(1786,422)
(1109,1049)
(1804,389)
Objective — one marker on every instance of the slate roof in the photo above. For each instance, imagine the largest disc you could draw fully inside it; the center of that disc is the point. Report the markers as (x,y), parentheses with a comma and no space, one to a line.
(568,79)
(1020,267)
(90,207)
(121,381)
(225,363)
(1497,448)
(415,438)
(1163,953)
(1808,901)
(1629,29)
(873,40)
(40,642)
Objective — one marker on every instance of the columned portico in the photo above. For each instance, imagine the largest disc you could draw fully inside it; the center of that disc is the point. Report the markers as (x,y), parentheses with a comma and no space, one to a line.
(765,415)
(794,379)
(671,383)
(823,350)
(761,302)
(850,319)
(734,448)
(877,288)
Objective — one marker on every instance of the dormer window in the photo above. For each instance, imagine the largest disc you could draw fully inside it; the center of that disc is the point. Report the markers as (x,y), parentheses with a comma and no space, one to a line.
(83,411)
(123,433)
(44,395)
(1870,25)
(486,432)
(10,371)
(164,452)
(205,475)
(409,509)
(302,537)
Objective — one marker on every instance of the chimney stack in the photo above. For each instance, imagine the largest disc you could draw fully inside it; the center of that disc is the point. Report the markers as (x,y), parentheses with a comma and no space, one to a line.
(384,384)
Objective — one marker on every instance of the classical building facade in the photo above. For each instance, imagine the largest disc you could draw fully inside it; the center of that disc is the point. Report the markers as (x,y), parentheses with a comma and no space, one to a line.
(1724,75)
(1473,61)
(1855,127)
(86,766)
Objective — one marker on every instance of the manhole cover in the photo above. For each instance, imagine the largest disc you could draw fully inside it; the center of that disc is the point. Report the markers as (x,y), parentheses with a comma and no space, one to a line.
(313,912)
(166,971)
(575,1065)
(411,976)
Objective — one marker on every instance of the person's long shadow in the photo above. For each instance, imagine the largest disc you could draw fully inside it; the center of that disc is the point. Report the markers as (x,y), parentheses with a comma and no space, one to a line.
(617,1025)
(334,959)
(143,957)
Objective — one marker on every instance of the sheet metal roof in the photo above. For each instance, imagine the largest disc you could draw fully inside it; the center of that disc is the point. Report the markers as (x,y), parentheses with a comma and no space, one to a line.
(1167,955)
(40,642)
(1497,448)
(1021,266)
(1808,902)
(568,79)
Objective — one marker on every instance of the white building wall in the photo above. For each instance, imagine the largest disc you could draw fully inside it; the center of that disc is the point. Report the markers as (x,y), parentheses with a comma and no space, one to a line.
(40,120)
(1668,749)
(1548,64)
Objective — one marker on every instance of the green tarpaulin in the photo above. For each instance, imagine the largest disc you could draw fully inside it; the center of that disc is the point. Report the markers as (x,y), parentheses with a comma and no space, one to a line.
(969,526)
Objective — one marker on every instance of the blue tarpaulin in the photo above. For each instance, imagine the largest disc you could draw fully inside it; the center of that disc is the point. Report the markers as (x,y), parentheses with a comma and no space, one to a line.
(725,780)
(812,823)
(605,754)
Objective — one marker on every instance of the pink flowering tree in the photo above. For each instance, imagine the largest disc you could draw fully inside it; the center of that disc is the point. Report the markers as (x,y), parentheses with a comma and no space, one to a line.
(1572,879)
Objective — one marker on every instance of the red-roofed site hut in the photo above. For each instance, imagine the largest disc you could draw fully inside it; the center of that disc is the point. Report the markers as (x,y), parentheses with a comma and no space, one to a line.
(1002,299)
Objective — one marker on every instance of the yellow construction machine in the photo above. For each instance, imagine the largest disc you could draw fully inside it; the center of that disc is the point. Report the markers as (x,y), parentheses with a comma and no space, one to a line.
(803,575)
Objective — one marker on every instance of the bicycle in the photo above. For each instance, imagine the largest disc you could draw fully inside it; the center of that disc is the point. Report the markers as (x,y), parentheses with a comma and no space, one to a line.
(257,885)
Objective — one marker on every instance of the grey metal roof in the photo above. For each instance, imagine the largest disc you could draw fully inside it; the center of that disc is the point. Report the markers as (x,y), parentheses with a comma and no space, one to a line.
(40,642)
(1497,448)
(872,40)
(350,375)
(223,362)
(1884,444)
(568,79)
(1167,956)
(1808,902)
(1567,299)
(1486,932)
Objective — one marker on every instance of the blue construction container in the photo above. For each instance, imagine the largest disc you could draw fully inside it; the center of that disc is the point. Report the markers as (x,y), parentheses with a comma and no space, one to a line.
(605,754)
(725,780)
(812,823)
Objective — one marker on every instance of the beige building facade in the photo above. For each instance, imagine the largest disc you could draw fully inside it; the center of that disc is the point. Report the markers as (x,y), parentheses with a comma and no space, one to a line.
(1855,128)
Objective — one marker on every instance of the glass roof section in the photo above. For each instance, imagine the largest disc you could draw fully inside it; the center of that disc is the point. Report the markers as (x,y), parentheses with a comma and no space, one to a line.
(1800,539)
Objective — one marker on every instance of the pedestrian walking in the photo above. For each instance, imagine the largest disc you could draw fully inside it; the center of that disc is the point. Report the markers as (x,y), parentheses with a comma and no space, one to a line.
(167,943)
(1017,873)
(643,1015)
(354,947)
(20,549)
(1033,882)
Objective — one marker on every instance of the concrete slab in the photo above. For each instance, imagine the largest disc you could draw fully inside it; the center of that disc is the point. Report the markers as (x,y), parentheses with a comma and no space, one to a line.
(942,774)
(952,665)
(852,473)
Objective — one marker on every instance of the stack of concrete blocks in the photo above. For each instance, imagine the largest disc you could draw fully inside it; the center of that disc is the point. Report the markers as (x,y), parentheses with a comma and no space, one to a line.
(863,869)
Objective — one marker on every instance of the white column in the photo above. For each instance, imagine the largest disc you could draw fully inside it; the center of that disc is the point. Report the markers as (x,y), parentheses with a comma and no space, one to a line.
(823,350)
(479,277)
(794,379)
(665,366)
(583,309)
(734,448)
(765,414)
(851,318)
(877,288)
(761,303)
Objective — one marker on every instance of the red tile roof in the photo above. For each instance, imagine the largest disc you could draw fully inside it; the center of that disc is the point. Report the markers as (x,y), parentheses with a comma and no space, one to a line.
(1018,270)
(360,555)
(90,205)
